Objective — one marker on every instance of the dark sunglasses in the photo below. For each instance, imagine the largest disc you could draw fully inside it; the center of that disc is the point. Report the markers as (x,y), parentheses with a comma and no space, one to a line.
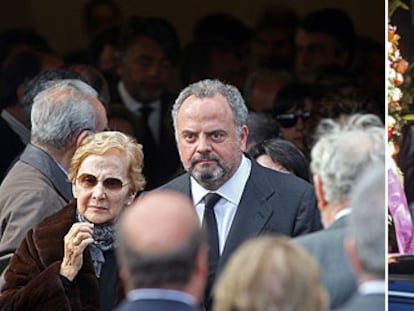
(88,181)
(290,119)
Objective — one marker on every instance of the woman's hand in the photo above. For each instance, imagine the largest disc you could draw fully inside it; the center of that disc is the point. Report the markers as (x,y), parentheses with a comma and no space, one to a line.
(76,240)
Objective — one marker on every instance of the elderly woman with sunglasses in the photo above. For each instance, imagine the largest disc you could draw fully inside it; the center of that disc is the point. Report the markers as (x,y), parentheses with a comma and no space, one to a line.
(67,262)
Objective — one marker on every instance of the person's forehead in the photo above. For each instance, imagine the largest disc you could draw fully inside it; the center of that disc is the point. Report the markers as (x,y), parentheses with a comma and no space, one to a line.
(304,37)
(205,102)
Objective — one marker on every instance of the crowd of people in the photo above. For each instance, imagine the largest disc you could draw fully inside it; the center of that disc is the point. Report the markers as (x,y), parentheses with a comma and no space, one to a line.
(242,171)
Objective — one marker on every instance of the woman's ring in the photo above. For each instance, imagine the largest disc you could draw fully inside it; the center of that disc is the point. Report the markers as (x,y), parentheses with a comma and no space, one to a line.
(76,241)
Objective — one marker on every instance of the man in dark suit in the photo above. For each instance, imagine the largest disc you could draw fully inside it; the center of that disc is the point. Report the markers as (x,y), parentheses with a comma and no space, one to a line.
(149,49)
(210,127)
(337,160)
(162,254)
(365,244)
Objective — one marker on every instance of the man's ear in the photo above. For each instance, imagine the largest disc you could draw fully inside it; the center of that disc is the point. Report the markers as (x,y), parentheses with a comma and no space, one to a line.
(243,138)
(352,254)
(82,136)
(320,195)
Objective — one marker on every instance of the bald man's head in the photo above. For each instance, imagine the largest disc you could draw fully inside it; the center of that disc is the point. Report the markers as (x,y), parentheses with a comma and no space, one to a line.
(159,222)
(160,239)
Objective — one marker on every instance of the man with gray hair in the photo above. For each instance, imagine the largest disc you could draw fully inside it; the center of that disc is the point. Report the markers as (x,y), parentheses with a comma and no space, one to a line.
(338,158)
(37,185)
(365,244)
(235,197)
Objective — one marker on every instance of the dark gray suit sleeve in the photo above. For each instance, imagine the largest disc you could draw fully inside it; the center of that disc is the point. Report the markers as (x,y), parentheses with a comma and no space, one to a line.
(308,217)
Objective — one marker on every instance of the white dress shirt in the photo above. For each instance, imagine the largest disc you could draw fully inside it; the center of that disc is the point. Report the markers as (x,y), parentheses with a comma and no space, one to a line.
(225,209)
(372,287)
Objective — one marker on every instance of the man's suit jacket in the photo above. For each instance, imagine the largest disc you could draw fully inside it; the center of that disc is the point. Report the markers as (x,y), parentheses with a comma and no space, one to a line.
(163,162)
(155,305)
(34,188)
(327,247)
(372,302)
(13,146)
(271,202)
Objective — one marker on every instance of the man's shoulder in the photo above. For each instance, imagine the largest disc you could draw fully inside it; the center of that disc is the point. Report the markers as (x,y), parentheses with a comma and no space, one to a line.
(26,187)
(324,240)
(22,175)
(180,183)
(364,302)
(284,182)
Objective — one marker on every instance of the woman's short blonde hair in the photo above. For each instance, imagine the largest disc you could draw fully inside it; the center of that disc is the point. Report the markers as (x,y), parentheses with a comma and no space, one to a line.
(270,273)
(100,143)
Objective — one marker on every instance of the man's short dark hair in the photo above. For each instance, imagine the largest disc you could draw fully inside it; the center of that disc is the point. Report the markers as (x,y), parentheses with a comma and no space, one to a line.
(155,28)
(334,22)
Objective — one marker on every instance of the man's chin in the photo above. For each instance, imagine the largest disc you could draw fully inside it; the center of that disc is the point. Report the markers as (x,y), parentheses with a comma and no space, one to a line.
(204,175)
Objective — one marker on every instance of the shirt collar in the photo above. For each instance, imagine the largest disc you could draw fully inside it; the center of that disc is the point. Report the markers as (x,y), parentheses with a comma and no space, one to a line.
(343,212)
(131,103)
(372,287)
(161,293)
(231,190)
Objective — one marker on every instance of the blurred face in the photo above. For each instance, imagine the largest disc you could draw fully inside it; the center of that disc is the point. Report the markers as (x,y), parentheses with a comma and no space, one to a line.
(264,92)
(102,18)
(145,70)
(314,50)
(209,148)
(296,133)
(273,48)
(226,65)
(102,188)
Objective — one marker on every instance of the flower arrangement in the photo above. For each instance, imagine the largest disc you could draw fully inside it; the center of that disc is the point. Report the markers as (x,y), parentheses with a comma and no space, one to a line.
(397,66)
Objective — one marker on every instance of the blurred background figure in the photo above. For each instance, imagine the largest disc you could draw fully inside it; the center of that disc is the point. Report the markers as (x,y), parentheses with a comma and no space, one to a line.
(273,40)
(120,119)
(262,87)
(261,127)
(339,104)
(368,66)
(281,155)
(97,17)
(228,62)
(150,48)
(95,79)
(324,37)
(292,108)
(163,253)
(280,275)
(24,53)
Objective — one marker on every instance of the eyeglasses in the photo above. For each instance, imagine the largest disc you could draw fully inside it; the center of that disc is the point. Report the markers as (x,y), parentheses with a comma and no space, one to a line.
(88,181)
(290,119)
